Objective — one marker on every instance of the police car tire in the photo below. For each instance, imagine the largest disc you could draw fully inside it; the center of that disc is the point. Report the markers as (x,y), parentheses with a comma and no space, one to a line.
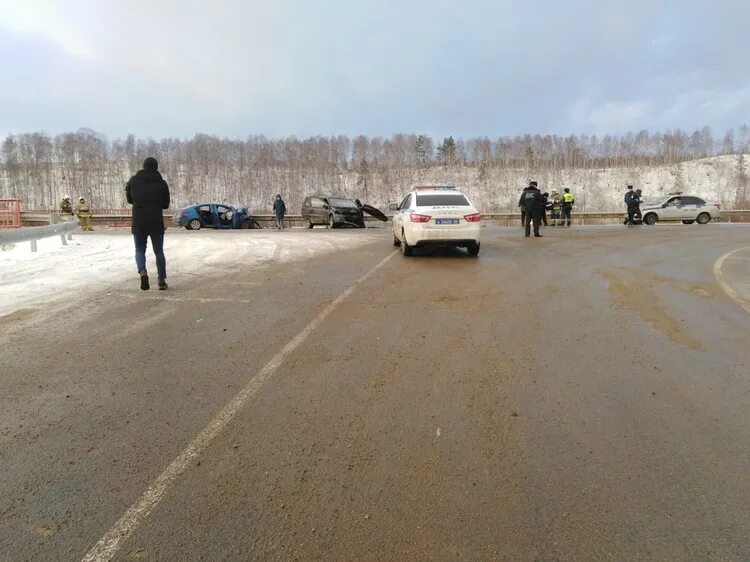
(650,219)
(406,250)
(473,249)
(703,218)
(396,241)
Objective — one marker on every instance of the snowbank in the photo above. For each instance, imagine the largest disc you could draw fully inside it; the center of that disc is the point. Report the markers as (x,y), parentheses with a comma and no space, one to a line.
(105,259)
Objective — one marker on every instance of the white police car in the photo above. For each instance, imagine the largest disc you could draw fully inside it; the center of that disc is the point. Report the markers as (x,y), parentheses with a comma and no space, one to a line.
(436,215)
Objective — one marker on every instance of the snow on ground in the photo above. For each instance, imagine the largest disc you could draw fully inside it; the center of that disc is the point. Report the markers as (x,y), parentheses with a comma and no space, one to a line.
(106,259)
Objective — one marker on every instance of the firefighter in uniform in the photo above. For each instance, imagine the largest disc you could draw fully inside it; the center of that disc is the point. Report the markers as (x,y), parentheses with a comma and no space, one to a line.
(557,202)
(567,206)
(66,208)
(83,212)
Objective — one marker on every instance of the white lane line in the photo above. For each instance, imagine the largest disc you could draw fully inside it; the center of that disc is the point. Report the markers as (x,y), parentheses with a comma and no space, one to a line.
(726,287)
(110,543)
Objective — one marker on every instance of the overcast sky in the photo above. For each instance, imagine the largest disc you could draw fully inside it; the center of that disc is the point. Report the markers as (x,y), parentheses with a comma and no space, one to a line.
(165,68)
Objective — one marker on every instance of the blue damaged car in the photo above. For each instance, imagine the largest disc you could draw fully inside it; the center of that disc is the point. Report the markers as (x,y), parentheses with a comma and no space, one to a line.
(214,215)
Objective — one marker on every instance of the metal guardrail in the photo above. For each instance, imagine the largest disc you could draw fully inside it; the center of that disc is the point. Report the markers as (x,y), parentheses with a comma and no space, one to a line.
(734,215)
(34,233)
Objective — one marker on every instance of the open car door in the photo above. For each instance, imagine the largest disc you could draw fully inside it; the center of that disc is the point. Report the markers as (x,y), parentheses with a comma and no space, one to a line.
(374,212)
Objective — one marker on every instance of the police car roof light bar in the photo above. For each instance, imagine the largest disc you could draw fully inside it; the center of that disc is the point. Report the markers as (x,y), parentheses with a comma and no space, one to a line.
(433,186)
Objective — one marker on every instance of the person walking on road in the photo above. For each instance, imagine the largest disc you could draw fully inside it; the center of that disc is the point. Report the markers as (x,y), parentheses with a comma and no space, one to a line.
(279,209)
(149,194)
(532,203)
(567,206)
(83,212)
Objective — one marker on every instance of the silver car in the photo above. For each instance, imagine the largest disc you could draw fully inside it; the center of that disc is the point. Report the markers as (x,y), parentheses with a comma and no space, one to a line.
(678,207)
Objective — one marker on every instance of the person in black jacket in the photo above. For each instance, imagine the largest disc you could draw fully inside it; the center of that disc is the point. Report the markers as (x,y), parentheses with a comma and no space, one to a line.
(279,209)
(149,194)
(532,203)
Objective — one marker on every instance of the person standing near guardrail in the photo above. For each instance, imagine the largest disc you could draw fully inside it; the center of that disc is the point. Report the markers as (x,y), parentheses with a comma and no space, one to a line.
(149,194)
(83,212)
(279,209)
(567,206)
(532,204)
(66,207)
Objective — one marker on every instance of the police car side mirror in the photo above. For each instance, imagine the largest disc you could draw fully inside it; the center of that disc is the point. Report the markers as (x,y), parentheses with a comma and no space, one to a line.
(393,207)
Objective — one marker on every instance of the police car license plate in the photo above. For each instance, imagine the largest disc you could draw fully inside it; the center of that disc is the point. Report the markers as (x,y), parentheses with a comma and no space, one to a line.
(446,221)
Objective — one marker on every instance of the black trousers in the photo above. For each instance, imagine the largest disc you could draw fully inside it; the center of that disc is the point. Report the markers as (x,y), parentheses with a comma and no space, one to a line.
(566,210)
(536,217)
(634,212)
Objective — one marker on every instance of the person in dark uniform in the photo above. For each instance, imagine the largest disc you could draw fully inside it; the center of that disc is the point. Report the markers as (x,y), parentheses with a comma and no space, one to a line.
(637,217)
(149,194)
(567,206)
(66,207)
(532,203)
(629,203)
(546,206)
(279,209)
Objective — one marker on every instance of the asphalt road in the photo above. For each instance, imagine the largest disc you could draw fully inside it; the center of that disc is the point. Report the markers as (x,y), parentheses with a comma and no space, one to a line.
(581,396)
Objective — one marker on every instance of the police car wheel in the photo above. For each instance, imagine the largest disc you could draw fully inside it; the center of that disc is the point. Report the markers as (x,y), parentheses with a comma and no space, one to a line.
(331,222)
(396,241)
(473,249)
(703,218)
(406,250)
(650,219)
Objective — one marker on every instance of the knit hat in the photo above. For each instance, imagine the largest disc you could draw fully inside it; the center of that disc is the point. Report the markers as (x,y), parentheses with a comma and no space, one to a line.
(151,164)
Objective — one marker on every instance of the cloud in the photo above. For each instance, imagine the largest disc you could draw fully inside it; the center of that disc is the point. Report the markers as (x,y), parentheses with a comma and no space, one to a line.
(481,67)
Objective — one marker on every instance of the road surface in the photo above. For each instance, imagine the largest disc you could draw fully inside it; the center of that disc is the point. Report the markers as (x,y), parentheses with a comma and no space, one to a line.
(581,396)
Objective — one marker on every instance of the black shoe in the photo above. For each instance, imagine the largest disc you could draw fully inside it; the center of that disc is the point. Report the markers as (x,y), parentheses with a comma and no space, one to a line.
(537,235)
(144,281)
(526,235)
(162,284)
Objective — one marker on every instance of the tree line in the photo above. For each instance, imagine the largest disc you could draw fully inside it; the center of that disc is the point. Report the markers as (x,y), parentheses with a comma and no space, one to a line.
(39,168)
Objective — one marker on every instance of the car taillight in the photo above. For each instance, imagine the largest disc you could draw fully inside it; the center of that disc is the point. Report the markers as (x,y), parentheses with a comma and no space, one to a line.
(476,217)
(416,217)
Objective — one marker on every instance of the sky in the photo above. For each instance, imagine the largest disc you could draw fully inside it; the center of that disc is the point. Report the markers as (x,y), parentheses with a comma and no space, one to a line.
(174,68)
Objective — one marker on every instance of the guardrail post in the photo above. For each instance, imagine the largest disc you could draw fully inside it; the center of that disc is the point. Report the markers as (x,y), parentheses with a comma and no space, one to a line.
(33,245)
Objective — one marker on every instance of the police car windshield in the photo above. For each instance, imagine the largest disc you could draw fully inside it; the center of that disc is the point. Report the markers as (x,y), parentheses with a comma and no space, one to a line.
(442,199)
(336,202)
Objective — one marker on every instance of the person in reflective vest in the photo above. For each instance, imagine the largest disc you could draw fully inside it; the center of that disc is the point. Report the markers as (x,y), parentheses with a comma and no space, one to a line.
(567,206)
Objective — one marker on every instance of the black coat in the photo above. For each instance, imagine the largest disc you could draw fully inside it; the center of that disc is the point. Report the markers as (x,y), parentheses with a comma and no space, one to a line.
(532,200)
(149,194)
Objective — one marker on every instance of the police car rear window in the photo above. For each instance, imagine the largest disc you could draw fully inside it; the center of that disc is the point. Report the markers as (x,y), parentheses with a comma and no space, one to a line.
(442,199)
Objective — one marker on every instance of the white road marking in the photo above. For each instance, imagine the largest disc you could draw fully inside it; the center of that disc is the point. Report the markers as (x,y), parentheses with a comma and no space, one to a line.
(726,287)
(106,548)
(138,325)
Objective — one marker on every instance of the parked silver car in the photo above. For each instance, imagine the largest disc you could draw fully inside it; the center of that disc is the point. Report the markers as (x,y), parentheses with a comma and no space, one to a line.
(678,207)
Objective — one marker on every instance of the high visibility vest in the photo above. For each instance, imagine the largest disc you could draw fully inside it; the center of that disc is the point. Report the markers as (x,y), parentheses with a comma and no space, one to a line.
(567,197)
